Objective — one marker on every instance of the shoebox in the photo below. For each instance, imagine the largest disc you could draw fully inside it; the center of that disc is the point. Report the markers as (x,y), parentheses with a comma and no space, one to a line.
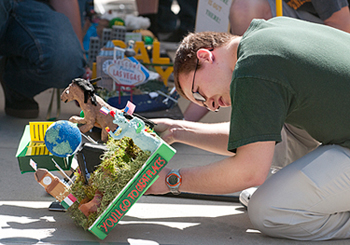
(32,146)
(135,188)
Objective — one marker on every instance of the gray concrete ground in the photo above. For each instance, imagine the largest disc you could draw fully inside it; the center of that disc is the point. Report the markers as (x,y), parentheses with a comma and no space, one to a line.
(25,218)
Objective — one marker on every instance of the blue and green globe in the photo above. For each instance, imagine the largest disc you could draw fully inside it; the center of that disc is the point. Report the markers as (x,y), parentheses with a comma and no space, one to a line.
(63,138)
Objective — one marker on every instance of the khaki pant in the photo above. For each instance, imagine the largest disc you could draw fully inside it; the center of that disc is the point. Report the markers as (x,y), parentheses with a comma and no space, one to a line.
(310,198)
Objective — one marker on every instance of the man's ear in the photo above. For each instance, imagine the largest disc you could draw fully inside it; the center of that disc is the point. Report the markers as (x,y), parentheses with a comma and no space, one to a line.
(205,55)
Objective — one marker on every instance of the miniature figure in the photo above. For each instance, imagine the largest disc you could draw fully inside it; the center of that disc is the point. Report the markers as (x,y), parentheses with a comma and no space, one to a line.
(53,185)
(91,206)
(135,129)
(83,92)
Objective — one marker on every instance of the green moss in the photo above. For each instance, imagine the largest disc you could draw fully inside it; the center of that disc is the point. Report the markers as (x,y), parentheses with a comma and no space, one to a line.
(119,164)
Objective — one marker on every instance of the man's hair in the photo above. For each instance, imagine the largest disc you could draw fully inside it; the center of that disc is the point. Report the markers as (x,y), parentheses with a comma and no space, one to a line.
(186,54)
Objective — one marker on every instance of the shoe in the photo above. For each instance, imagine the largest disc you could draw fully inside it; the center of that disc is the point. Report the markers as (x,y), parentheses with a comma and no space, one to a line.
(17,105)
(245,196)
(21,108)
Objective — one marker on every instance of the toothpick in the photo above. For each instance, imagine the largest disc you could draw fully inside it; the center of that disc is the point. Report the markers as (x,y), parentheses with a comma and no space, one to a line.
(59,168)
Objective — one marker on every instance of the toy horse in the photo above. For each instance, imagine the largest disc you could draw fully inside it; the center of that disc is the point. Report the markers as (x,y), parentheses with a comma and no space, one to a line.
(83,92)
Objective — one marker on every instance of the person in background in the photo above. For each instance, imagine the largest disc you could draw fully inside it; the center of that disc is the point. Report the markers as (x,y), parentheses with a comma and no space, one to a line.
(334,13)
(40,48)
(170,27)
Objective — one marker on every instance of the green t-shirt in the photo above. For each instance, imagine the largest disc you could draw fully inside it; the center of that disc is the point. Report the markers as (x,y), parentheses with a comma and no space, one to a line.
(291,71)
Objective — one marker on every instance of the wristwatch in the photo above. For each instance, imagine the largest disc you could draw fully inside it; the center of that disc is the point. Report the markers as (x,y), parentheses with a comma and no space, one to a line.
(173,181)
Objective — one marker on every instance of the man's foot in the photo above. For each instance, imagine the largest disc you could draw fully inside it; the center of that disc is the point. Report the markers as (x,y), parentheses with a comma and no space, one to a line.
(16,105)
(245,196)
(21,108)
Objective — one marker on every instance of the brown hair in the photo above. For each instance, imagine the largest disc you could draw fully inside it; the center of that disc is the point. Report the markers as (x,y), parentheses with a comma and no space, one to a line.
(186,54)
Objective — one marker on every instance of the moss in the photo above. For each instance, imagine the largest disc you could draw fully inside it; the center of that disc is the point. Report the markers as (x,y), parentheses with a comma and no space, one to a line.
(118,166)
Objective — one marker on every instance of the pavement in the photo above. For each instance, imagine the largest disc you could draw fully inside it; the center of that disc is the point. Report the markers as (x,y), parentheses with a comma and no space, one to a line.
(25,218)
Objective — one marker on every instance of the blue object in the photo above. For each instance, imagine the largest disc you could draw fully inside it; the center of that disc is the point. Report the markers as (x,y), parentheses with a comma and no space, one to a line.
(63,138)
(143,102)
(91,32)
(41,47)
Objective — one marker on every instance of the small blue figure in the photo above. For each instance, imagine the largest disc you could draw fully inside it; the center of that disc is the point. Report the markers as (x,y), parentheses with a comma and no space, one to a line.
(135,129)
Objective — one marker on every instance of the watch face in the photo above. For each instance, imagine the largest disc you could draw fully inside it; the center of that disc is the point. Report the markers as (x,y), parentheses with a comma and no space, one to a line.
(173,180)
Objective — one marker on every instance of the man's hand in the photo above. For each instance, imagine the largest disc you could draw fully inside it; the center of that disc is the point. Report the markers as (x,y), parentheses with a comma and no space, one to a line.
(165,129)
(211,137)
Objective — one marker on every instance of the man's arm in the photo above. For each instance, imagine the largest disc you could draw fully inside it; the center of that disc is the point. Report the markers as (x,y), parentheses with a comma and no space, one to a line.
(211,137)
(249,167)
(340,19)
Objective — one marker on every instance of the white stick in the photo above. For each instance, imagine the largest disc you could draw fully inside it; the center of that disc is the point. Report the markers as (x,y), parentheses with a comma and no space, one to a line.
(59,168)
(89,138)
(166,96)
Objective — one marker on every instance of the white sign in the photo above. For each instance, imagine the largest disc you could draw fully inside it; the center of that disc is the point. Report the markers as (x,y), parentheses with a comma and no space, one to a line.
(126,72)
(212,15)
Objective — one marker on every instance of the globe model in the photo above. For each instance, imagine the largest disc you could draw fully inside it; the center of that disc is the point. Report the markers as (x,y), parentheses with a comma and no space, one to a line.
(63,138)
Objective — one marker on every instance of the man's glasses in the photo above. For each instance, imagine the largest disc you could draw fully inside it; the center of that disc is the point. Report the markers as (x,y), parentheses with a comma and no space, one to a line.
(197,96)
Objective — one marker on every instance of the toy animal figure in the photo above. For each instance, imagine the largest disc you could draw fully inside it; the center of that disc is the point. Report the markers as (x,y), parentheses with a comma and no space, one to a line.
(91,206)
(83,92)
(135,129)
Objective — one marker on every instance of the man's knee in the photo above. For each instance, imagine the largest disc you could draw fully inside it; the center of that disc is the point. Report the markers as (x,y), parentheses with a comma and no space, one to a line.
(259,210)
(271,211)
(273,217)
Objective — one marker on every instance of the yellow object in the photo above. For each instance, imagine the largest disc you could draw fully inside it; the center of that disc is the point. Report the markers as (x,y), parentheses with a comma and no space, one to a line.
(37,149)
(156,55)
(94,71)
(37,138)
(164,73)
(160,60)
(279,11)
(37,131)
(157,61)
(141,52)
(119,43)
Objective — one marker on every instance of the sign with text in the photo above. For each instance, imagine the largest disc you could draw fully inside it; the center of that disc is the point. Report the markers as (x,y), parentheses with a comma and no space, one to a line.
(136,187)
(212,15)
(127,72)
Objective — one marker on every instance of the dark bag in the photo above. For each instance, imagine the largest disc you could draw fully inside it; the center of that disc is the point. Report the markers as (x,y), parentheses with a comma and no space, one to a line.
(89,157)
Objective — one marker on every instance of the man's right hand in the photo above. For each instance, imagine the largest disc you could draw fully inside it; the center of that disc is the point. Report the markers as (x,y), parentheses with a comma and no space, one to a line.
(165,128)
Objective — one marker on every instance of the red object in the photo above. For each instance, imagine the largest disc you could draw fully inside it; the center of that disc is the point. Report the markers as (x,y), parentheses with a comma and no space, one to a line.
(124,88)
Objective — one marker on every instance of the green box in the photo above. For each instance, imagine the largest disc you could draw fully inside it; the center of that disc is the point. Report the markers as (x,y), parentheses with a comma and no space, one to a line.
(135,188)
(41,156)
